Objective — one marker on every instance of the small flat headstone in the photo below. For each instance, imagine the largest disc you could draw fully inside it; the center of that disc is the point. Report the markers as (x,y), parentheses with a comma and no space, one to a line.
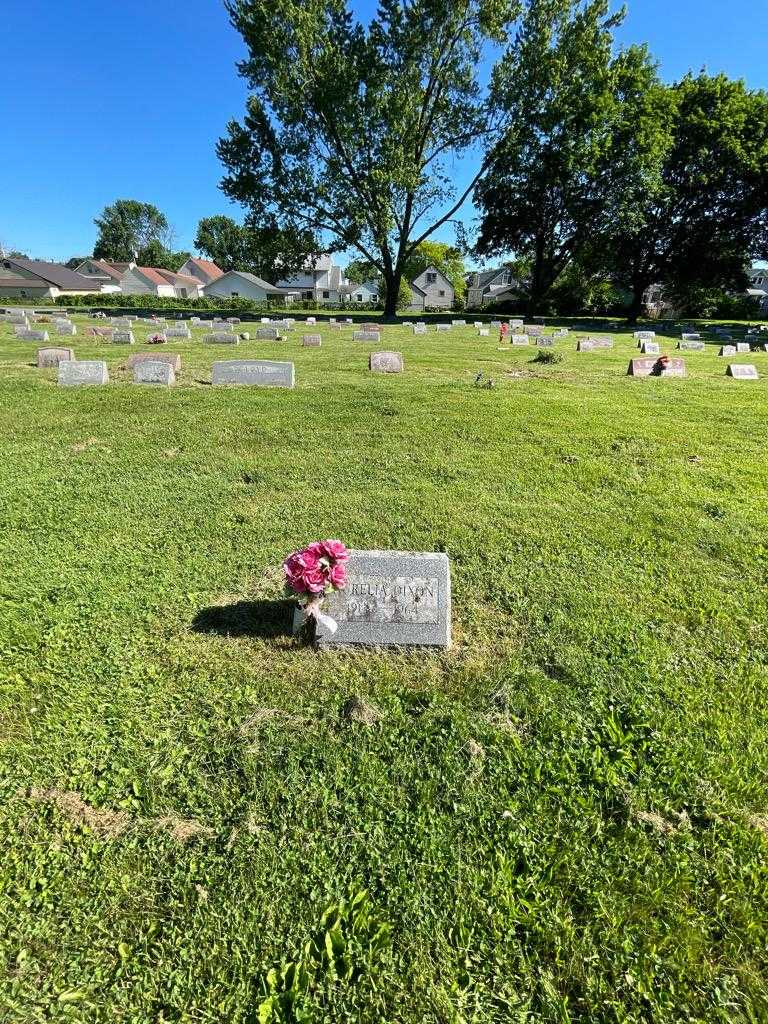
(650,348)
(585,345)
(366,336)
(420,329)
(519,339)
(443,327)
(154,371)
(218,338)
(742,371)
(311,319)
(30,335)
(122,338)
(600,341)
(385,362)
(534,330)
(83,372)
(743,346)
(53,356)
(727,350)
(545,342)
(644,335)
(178,332)
(458,323)
(392,599)
(691,346)
(172,359)
(258,372)
(692,336)
(311,340)
(651,367)
(267,334)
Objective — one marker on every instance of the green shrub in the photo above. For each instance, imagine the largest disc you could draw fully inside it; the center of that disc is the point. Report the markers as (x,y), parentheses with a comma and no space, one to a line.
(545,355)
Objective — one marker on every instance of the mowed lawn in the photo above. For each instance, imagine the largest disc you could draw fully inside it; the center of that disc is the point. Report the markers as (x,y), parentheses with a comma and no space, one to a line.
(563,818)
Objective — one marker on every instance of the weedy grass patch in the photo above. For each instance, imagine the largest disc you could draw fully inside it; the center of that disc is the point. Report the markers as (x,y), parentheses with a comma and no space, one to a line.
(560,819)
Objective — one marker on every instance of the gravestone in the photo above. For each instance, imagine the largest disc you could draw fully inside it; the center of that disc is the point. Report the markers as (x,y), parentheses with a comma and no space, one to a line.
(311,319)
(244,336)
(727,350)
(172,359)
(519,339)
(644,335)
(311,340)
(743,346)
(392,599)
(742,371)
(654,368)
(496,325)
(366,336)
(265,320)
(385,362)
(122,338)
(600,341)
(19,330)
(82,372)
(585,345)
(545,342)
(233,319)
(691,346)
(18,318)
(443,327)
(483,332)
(264,373)
(479,324)
(516,325)
(267,334)
(30,335)
(53,356)
(101,332)
(650,348)
(420,329)
(154,371)
(534,330)
(691,337)
(458,323)
(218,338)
(65,327)
(178,332)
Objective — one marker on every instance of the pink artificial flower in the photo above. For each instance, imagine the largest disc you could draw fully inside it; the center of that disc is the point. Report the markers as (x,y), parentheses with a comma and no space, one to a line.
(338,576)
(335,550)
(314,580)
(315,550)
(294,568)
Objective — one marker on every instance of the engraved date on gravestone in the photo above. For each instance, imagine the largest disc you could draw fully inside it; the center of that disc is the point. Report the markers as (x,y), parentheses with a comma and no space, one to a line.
(381,599)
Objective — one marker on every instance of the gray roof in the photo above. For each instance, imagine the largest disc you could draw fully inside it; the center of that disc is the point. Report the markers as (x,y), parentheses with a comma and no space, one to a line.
(54,273)
(265,285)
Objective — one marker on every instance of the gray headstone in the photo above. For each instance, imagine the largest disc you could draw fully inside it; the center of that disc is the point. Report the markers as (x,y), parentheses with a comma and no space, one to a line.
(691,346)
(311,340)
(267,334)
(545,342)
(83,372)
(483,332)
(221,339)
(644,335)
(66,328)
(420,329)
(366,336)
(458,323)
(650,348)
(519,339)
(691,337)
(516,325)
(653,368)
(600,341)
(172,359)
(743,346)
(392,598)
(727,350)
(122,338)
(30,335)
(533,330)
(154,371)
(386,362)
(585,345)
(742,371)
(178,332)
(53,356)
(443,327)
(259,372)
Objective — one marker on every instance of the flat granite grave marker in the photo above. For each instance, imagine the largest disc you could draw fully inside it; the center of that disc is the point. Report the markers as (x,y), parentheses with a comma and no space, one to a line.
(178,332)
(691,346)
(221,339)
(65,327)
(600,341)
(742,371)
(443,327)
(172,359)
(385,362)
(123,338)
(311,340)
(366,336)
(519,339)
(30,335)
(545,342)
(650,348)
(458,323)
(691,337)
(644,335)
(671,367)
(154,371)
(534,330)
(267,334)
(727,350)
(83,372)
(265,373)
(53,356)
(392,599)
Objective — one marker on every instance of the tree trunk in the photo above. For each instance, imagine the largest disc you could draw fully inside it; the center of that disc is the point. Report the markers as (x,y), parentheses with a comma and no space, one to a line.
(392,283)
(636,306)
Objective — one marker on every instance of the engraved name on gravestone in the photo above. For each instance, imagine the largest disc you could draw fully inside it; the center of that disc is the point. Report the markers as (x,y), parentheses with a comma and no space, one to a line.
(264,373)
(653,368)
(742,371)
(171,358)
(545,342)
(385,362)
(366,336)
(392,598)
(123,338)
(650,348)
(154,371)
(519,339)
(311,340)
(83,372)
(534,330)
(53,356)
(691,346)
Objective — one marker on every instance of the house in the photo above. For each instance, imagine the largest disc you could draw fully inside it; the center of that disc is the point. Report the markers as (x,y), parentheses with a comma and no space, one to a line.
(320,280)
(204,270)
(366,292)
(37,279)
(237,284)
(490,286)
(432,290)
(758,287)
(156,281)
(107,273)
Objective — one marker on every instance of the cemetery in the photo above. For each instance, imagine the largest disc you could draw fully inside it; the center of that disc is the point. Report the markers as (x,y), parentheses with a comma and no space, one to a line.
(547,630)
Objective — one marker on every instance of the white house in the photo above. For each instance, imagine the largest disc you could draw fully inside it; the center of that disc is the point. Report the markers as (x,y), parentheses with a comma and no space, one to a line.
(432,290)
(205,271)
(367,292)
(237,284)
(758,287)
(321,280)
(156,281)
(37,279)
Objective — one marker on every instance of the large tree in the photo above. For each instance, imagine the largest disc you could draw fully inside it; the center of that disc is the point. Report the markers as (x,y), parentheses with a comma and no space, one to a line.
(155,254)
(269,250)
(128,226)
(351,130)
(585,127)
(706,218)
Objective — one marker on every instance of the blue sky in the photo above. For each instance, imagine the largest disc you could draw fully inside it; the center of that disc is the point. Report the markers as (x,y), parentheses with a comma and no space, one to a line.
(104,100)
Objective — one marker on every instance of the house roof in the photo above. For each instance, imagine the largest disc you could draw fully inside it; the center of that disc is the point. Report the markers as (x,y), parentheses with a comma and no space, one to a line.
(416,288)
(113,270)
(53,273)
(182,280)
(208,268)
(265,285)
(153,274)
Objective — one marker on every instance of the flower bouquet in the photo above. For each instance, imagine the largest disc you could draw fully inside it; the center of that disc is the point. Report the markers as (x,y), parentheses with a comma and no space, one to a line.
(156,339)
(313,572)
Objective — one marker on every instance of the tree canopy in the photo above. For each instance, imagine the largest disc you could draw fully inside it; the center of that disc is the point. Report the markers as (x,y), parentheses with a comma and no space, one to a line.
(350,130)
(127,227)
(269,251)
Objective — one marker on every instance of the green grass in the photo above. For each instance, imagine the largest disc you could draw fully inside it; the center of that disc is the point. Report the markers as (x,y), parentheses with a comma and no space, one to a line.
(564,818)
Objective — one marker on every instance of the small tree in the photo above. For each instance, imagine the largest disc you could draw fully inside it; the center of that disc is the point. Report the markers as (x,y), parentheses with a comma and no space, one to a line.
(128,226)
(350,129)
